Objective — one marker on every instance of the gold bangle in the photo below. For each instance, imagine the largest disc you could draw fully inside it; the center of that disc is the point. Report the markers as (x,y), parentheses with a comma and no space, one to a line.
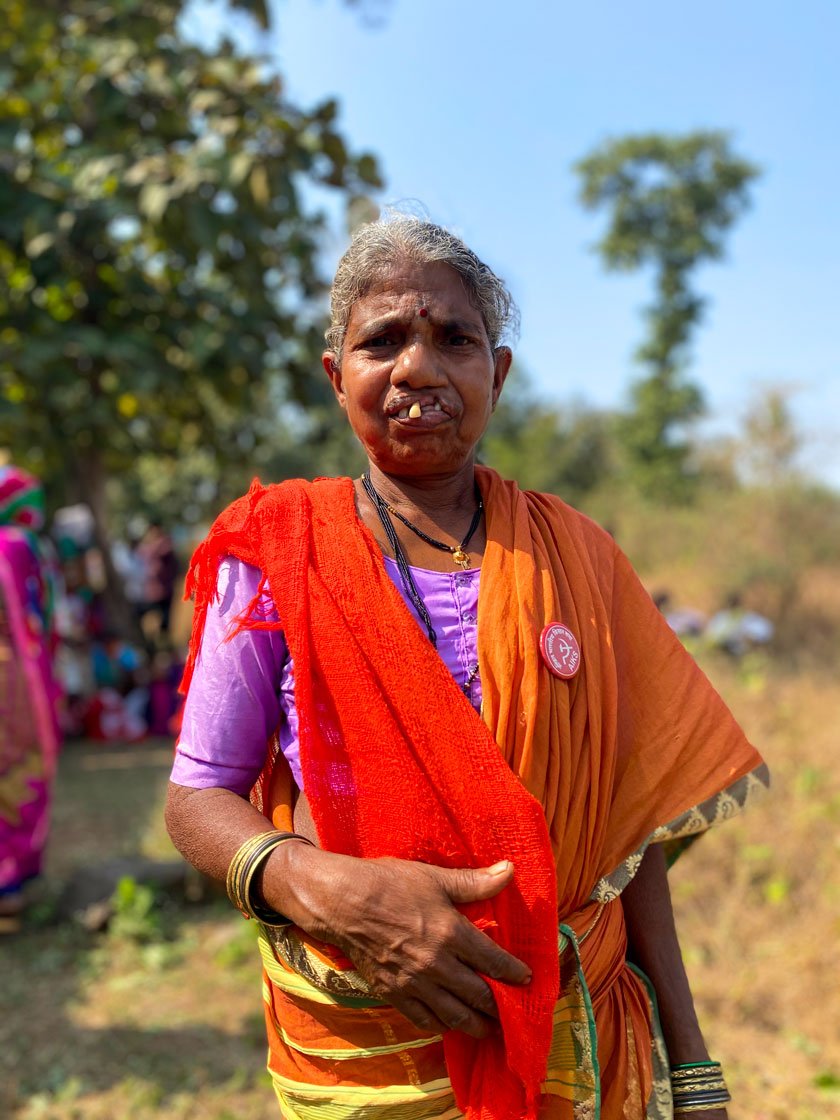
(702,1106)
(246,863)
(698,1087)
(240,858)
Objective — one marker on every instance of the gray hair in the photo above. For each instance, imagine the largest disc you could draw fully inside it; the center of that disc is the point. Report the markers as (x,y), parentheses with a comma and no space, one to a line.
(378,245)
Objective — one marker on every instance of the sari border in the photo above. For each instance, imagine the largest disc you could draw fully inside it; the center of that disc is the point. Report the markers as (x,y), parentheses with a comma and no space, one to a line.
(679,833)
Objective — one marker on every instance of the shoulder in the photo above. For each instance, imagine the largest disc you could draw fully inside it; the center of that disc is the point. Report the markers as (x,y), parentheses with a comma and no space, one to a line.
(548,515)
(597,557)
(237,579)
(572,526)
(575,522)
(270,516)
(267,499)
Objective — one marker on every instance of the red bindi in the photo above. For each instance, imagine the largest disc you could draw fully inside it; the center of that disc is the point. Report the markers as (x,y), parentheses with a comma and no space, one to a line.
(424,311)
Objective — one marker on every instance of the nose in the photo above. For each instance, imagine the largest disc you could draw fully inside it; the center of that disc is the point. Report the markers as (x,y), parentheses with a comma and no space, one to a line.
(418,365)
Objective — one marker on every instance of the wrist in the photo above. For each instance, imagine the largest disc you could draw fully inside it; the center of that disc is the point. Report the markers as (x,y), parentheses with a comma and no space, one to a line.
(244,879)
(688,1055)
(683,1039)
(286,877)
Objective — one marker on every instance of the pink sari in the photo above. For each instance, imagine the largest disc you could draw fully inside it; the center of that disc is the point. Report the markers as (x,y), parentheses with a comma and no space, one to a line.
(29,736)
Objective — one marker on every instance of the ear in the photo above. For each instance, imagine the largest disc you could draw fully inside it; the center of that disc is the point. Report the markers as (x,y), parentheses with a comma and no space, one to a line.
(332,367)
(502,358)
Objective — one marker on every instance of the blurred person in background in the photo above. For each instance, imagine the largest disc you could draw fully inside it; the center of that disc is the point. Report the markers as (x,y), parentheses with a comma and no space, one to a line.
(737,630)
(29,736)
(75,628)
(165,702)
(159,569)
(436,738)
(131,569)
(686,622)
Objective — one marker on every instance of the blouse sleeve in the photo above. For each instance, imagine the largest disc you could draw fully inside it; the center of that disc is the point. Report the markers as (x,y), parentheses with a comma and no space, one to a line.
(233,704)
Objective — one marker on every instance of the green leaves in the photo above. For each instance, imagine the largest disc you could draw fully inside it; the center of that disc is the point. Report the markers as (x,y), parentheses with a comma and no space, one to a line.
(672,197)
(160,264)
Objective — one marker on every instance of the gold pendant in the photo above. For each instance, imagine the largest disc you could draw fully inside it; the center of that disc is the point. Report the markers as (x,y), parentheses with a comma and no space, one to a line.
(461,557)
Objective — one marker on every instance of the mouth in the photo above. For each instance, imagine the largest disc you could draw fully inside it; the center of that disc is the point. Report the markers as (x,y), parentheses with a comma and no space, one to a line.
(421,412)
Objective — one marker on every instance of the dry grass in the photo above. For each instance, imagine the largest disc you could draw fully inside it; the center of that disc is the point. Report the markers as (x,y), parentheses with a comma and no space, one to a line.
(94,1027)
(758,905)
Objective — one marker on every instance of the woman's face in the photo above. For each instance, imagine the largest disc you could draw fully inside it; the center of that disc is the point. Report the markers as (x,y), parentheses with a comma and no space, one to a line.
(415,341)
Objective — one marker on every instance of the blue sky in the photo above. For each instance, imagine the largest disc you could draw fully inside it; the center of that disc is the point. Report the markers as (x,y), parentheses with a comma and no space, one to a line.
(478,110)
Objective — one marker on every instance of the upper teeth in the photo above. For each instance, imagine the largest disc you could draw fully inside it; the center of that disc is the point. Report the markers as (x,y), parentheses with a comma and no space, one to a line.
(416,410)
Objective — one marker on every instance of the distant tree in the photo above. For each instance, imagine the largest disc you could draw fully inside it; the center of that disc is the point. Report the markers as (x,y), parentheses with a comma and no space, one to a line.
(160,291)
(671,200)
(771,442)
(790,523)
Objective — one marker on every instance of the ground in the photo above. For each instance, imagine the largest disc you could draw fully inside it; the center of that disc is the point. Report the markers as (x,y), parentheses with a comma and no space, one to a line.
(161,1017)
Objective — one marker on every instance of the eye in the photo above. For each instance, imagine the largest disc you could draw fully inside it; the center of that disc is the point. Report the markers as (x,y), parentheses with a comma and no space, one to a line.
(381,341)
(460,341)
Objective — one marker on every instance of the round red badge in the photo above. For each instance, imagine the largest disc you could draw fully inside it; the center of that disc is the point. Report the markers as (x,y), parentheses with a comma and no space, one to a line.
(560,650)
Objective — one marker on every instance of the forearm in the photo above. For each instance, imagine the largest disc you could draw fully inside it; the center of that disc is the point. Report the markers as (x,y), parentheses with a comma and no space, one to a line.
(395,919)
(208,826)
(654,947)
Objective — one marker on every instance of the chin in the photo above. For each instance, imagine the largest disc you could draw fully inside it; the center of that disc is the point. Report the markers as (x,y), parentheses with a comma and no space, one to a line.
(419,463)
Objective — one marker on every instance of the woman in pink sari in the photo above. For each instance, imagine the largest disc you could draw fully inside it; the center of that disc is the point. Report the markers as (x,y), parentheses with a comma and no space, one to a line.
(29,736)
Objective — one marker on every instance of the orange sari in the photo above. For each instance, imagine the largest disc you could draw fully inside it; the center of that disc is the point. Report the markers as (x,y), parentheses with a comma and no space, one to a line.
(570,779)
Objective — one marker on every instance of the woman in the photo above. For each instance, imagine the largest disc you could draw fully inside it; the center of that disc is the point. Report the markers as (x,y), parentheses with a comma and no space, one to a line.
(28,694)
(466,723)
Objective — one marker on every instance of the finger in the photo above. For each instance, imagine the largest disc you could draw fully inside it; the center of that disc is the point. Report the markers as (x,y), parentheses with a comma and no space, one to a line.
(466,985)
(466,884)
(457,1015)
(420,1016)
(476,950)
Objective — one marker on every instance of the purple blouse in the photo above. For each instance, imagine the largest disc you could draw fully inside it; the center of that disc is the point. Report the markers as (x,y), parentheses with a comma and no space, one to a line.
(242,690)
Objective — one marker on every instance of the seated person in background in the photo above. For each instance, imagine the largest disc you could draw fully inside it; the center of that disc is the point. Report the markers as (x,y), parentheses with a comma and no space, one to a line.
(684,621)
(737,630)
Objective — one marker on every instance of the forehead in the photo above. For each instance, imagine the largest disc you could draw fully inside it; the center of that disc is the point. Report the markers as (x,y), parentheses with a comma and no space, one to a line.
(406,286)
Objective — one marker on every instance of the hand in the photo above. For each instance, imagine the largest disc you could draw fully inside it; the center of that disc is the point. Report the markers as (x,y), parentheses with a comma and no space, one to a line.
(397,922)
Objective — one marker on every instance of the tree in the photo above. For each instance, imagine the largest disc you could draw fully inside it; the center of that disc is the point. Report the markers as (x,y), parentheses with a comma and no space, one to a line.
(671,201)
(771,442)
(160,285)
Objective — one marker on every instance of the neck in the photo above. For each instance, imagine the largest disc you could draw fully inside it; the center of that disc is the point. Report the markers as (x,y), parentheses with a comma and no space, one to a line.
(430,494)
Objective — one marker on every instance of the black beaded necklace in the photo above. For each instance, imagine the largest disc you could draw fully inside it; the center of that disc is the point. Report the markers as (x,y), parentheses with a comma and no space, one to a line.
(458,551)
(383,509)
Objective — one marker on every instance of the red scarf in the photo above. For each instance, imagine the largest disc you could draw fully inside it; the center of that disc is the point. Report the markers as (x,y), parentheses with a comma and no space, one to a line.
(395,760)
